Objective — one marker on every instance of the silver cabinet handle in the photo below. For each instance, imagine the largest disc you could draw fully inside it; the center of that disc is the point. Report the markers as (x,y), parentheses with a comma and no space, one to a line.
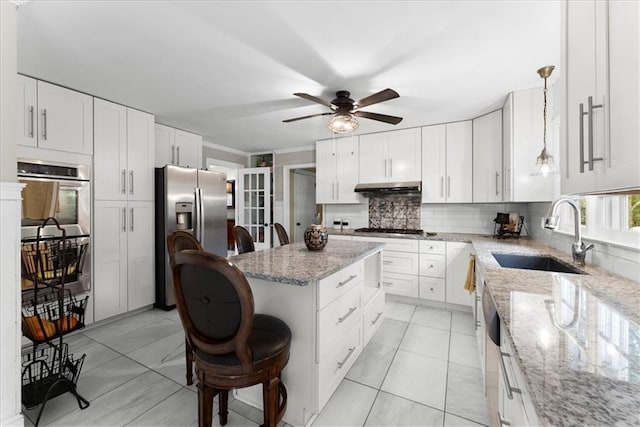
(442,186)
(502,422)
(449,186)
(337,190)
(31,121)
(344,282)
(582,114)
(590,112)
(374,321)
(130,182)
(131,229)
(390,168)
(387,284)
(385,168)
(344,361)
(497,175)
(510,390)
(124,219)
(346,316)
(44,124)
(387,262)
(124,181)
(178,154)
(333,191)
(173,154)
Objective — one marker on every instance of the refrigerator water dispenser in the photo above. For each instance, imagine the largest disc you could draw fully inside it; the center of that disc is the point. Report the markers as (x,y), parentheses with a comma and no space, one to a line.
(184,215)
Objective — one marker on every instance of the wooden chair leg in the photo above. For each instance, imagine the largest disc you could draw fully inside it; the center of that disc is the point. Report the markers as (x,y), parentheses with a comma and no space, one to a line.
(223,397)
(205,405)
(270,401)
(189,356)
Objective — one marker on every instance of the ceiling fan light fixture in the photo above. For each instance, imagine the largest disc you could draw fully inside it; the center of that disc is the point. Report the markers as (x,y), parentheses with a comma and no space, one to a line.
(343,123)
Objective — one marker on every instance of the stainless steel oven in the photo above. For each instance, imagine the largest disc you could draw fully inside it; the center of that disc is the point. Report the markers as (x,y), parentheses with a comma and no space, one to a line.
(61,191)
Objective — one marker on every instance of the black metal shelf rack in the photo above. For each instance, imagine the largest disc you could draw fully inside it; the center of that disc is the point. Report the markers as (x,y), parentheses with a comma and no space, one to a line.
(50,311)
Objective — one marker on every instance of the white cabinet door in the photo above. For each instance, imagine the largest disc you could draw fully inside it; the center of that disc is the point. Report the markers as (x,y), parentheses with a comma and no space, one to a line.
(140,155)
(325,172)
(165,141)
(27,123)
(188,149)
(65,119)
(458,183)
(434,163)
(404,151)
(109,259)
(586,76)
(347,170)
(457,267)
(373,164)
(622,155)
(522,143)
(110,150)
(140,260)
(487,158)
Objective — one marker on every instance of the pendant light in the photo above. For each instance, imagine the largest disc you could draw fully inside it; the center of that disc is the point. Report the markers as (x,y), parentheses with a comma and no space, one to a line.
(545,163)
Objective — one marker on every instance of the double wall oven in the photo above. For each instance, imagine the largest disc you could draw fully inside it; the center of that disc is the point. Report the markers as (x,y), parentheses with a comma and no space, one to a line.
(63,192)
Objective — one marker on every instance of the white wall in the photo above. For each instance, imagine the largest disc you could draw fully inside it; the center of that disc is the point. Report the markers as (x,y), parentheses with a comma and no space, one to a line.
(621,260)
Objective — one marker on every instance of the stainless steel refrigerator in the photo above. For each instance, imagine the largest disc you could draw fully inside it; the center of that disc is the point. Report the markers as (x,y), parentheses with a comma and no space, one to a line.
(192,200)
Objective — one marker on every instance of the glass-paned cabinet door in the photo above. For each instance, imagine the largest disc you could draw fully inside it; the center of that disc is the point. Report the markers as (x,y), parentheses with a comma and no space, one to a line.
(254,204)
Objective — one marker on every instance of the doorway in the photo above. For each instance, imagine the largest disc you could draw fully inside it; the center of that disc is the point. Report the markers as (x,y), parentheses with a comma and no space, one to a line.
(231,169)
(299,199)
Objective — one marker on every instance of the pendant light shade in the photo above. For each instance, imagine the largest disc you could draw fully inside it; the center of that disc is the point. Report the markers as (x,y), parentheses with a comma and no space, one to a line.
(545,163)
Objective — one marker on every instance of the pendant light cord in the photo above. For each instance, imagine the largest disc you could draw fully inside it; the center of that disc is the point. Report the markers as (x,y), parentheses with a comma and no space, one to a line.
(544,115)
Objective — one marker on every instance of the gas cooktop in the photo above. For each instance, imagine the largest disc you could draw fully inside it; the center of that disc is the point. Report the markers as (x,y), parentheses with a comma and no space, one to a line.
(389,230)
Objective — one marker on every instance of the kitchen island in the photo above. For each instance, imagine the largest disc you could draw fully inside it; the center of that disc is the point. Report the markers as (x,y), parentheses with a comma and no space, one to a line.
(331,300)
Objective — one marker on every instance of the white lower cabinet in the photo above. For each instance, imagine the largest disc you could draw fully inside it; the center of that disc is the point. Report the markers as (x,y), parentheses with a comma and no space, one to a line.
(401,284)
(457,267)
(432,288)
(123,257)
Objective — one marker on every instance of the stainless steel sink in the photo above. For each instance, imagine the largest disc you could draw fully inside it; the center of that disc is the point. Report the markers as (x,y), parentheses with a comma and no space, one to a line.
(535,262)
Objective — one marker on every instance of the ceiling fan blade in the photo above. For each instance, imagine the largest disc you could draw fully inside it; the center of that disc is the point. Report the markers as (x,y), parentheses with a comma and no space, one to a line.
(379,117)
(315,99)
(307,117)
(383,95)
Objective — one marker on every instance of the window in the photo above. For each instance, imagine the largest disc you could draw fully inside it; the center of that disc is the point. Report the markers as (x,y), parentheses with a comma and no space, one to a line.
(610,218)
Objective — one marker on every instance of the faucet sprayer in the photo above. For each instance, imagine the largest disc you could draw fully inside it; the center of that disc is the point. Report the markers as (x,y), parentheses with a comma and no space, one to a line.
(551,222)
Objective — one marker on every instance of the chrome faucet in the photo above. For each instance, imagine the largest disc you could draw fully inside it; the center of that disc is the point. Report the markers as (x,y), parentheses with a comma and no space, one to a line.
(551,221)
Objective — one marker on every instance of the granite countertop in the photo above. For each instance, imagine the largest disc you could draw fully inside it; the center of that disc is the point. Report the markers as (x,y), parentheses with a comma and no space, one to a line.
(576,336)
(294,264)
(451,237)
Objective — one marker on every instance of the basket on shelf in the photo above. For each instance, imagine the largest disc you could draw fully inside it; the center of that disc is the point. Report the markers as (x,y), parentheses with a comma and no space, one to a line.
(46,315)
(49,371)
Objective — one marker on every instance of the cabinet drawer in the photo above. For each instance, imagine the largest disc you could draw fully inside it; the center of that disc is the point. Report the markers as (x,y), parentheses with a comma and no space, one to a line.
(432,288)
(372,317)
(334,366)
(400,262)
(399,245)
(432,247)
(338,283)
(433,265)
(337,318)
(400,284)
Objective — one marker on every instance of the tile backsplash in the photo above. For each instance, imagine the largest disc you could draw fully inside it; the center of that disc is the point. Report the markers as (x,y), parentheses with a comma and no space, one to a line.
(401,211)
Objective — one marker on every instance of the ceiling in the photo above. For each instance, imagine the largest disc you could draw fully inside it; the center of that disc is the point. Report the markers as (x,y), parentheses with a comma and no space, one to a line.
(228,69)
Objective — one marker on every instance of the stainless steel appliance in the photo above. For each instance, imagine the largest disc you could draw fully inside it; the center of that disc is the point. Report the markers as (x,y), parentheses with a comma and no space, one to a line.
(61,191)
(192,200)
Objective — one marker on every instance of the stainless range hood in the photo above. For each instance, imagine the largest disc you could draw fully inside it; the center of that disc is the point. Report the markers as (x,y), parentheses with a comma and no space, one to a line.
(407,187)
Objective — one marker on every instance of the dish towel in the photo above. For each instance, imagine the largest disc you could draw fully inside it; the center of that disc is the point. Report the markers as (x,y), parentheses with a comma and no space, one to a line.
(470,282)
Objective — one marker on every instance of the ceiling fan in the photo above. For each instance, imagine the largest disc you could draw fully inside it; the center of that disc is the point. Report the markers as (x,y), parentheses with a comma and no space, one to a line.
(343,108)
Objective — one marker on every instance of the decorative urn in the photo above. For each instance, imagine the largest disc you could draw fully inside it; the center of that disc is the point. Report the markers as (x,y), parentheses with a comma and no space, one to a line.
(315,237)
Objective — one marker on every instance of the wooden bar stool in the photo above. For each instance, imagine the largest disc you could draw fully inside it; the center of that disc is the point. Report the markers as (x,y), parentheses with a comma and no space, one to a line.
(244,241)
(282,234)
(233,347)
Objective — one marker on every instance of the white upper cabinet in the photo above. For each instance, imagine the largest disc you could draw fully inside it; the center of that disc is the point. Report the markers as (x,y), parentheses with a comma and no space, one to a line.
(54,117)
(487,158)
(522,142)
(447,163)
(390,156)
(177,147)
(337,170)
(124,153)
(602,127)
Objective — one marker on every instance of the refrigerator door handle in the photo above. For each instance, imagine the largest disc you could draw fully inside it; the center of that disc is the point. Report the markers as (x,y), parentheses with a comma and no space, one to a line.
(199,208)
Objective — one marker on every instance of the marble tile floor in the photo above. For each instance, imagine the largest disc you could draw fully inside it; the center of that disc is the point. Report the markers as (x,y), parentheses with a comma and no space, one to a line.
(422,368)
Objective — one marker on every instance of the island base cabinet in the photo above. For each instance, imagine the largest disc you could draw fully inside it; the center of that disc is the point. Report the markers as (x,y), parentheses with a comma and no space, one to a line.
(373,316)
